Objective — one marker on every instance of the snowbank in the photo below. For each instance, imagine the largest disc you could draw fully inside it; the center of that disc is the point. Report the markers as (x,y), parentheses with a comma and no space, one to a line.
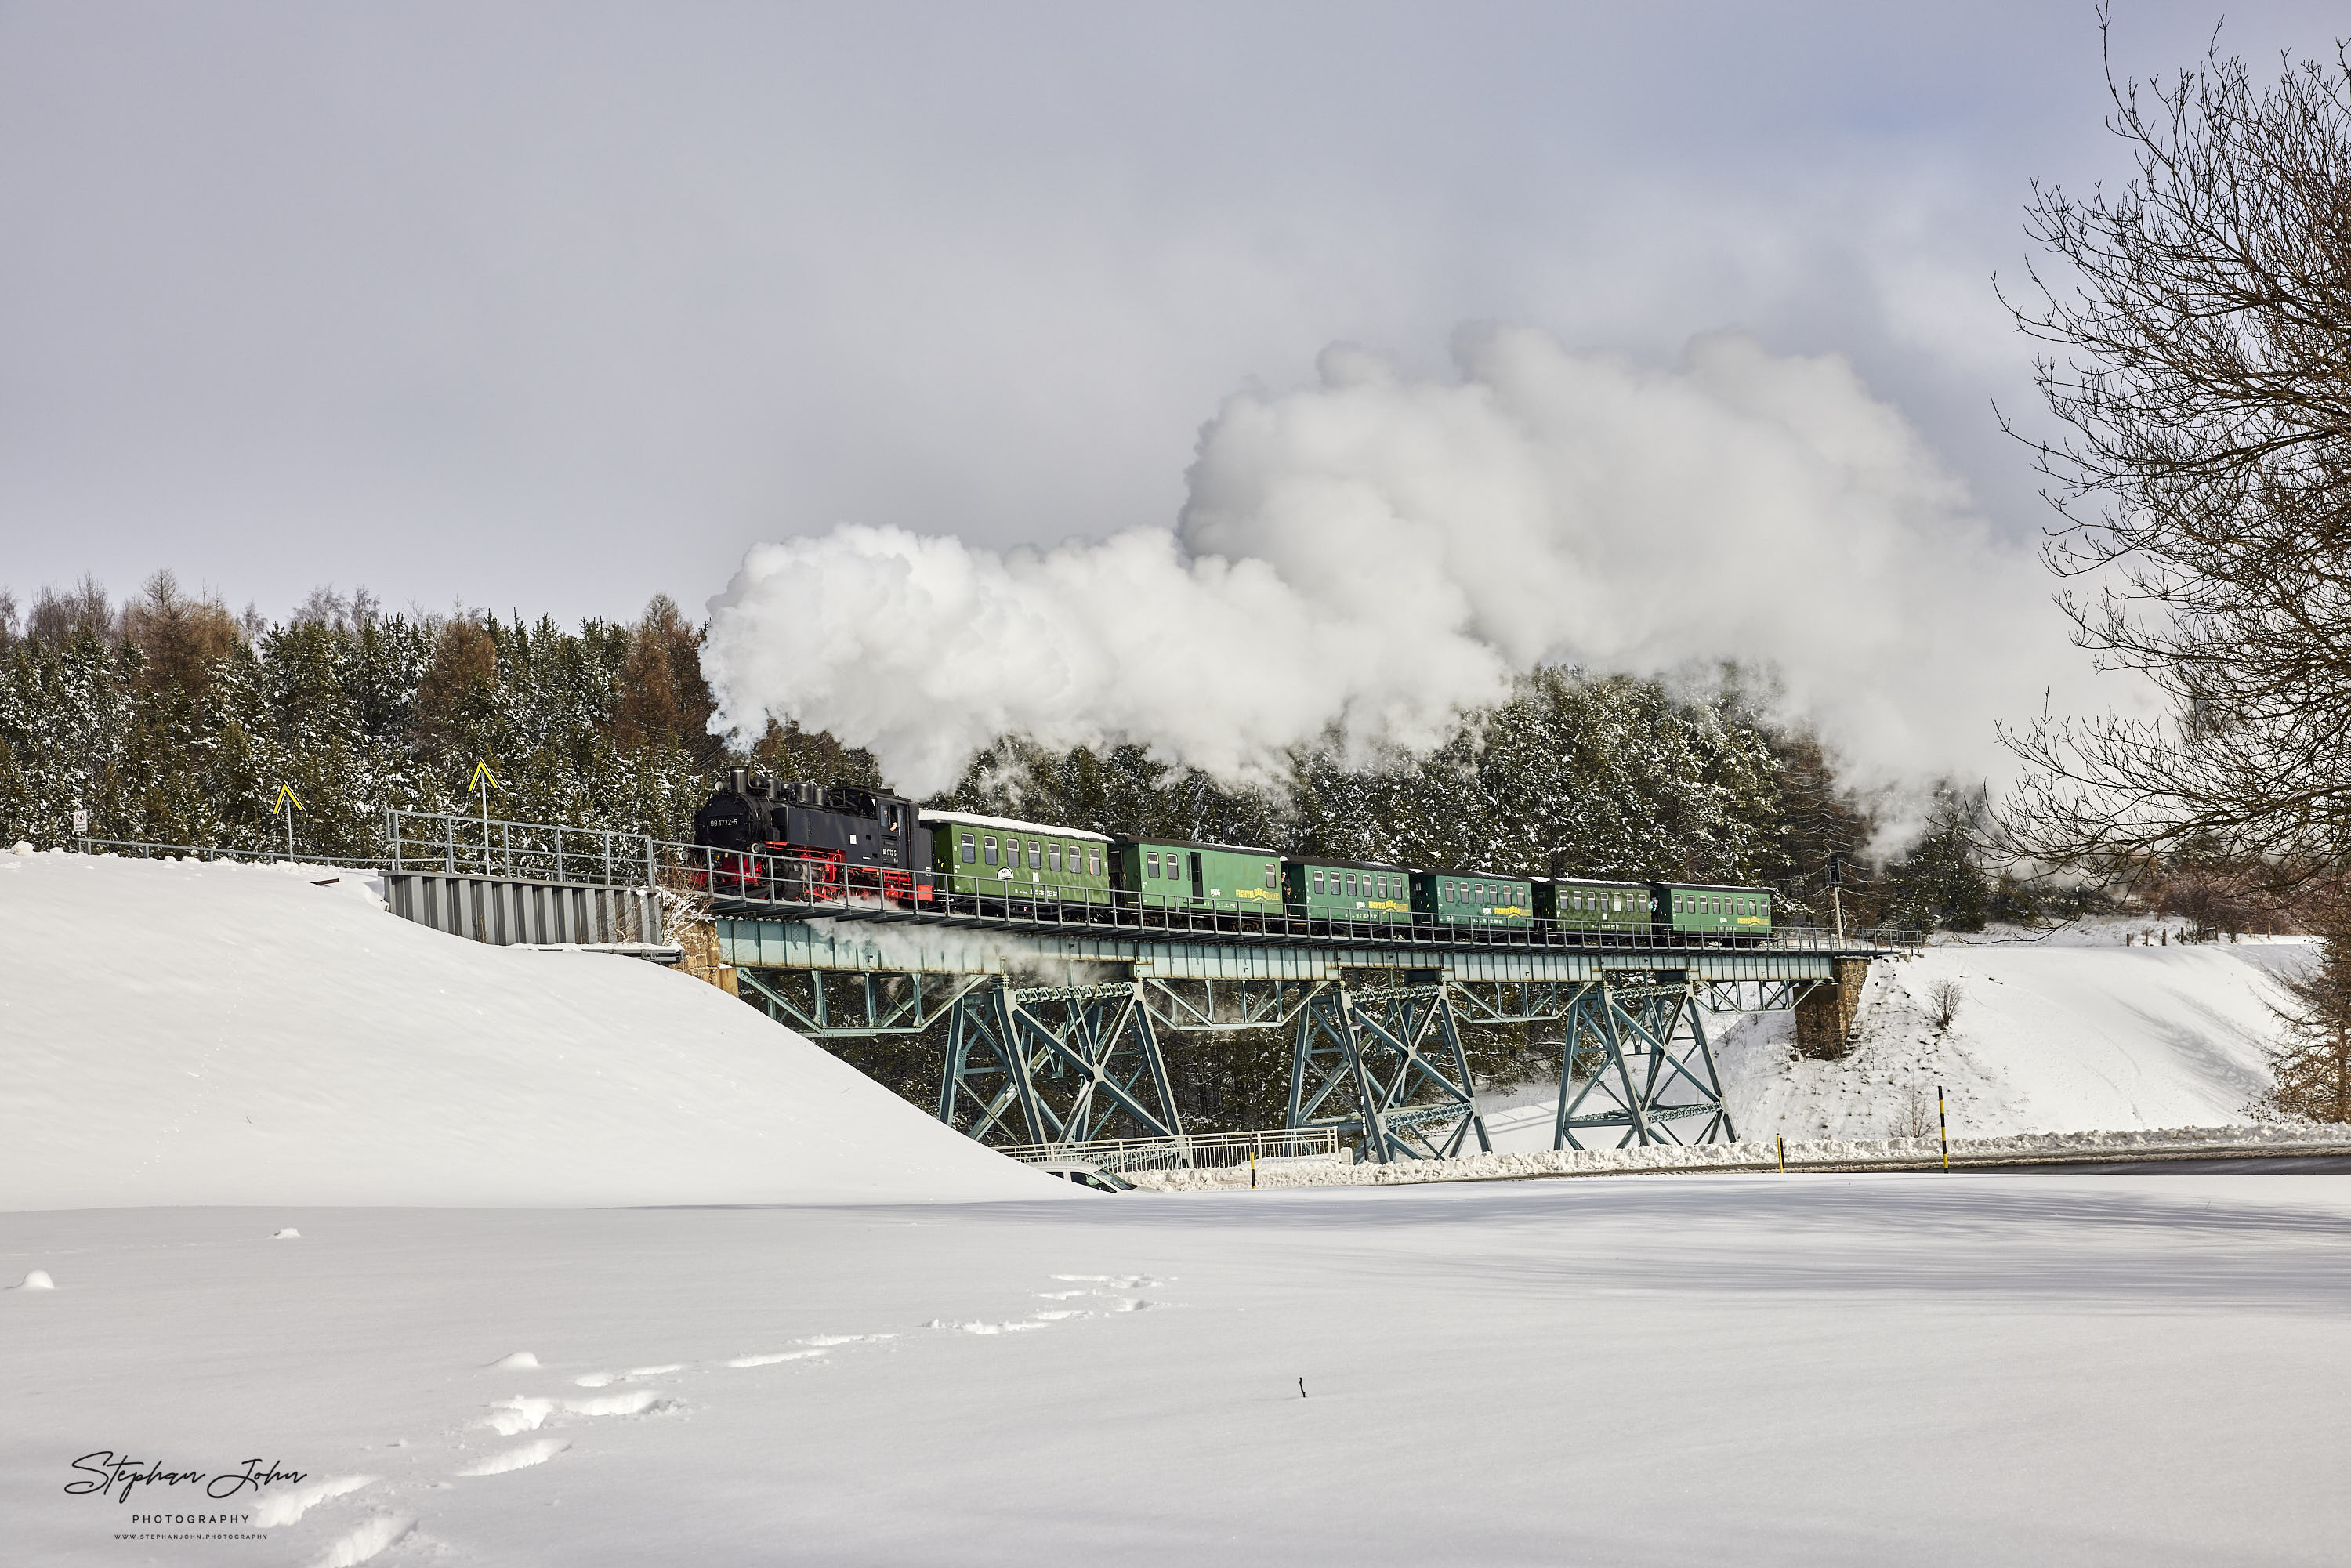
(225,1034)
(1817,1154)
(2044,1040)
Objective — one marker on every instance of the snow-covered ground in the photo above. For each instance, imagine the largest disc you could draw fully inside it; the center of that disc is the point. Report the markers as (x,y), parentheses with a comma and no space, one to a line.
(184,1033)
(2076,1032)
(1931,1369)
(855,1337)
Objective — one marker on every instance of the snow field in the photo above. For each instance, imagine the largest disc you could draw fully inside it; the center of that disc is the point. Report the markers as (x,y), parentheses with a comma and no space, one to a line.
(220,1034)
(1814,1369)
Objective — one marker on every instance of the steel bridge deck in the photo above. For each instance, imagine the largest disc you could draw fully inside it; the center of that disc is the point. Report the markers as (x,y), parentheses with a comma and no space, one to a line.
(825,944)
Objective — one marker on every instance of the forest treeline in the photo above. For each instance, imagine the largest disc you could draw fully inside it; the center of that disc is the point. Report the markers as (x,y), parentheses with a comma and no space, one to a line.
(172,719)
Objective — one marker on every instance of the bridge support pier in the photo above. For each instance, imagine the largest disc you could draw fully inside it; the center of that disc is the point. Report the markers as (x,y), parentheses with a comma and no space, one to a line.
(1826,1013)
(1645,1049)
(1386,1065)
(1067,1061)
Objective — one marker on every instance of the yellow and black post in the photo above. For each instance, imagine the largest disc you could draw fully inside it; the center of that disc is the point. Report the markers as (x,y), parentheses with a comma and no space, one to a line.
(1943,1122)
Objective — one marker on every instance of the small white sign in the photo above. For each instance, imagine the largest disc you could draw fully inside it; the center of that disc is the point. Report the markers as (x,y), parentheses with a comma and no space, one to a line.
(81,822)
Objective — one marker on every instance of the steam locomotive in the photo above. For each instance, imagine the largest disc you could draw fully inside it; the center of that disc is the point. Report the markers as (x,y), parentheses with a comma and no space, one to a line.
(801,841)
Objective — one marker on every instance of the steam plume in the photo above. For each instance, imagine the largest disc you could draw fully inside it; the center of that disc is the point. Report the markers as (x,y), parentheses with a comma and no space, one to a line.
(1378,552)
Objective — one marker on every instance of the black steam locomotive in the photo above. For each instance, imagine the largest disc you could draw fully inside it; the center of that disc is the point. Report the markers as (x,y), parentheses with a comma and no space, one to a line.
(800,840)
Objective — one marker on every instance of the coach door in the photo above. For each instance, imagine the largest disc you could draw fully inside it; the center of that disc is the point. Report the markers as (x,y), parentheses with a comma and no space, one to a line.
(1198,882)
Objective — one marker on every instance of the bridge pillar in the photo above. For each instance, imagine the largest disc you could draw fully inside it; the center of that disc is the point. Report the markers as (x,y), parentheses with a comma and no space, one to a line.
(1067,1061)
(1827,1013)
(1386,1065)
(1642,1046)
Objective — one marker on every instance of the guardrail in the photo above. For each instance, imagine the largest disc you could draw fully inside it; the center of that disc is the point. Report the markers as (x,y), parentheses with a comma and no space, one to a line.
(796,886)
(460,845)
(799,885)
(1202,1151)
(140,849)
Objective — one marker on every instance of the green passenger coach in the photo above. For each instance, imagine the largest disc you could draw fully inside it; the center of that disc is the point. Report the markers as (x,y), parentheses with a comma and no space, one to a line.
(1177,872)
(1347,889)
(1740,914)
(1473,898)
(1598,908)
(985,855)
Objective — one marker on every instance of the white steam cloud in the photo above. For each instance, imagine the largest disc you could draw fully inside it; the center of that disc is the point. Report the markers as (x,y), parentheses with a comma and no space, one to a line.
(1379,552)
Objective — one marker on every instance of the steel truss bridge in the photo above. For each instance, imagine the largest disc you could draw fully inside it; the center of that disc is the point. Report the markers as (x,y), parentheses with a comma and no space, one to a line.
(1059,1017)
(1375,1024)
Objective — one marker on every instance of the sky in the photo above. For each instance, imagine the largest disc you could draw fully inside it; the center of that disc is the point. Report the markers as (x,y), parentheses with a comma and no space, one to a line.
(548,308)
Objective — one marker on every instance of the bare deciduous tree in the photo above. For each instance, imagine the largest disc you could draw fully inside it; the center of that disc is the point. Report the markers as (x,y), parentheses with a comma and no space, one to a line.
(1943,999)
(2199,335)
(1917,1116)
(2312,1064)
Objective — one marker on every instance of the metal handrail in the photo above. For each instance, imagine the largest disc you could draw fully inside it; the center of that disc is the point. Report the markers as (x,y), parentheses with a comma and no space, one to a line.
(1191,1151)
(458,843)
(800,884)
(147,849)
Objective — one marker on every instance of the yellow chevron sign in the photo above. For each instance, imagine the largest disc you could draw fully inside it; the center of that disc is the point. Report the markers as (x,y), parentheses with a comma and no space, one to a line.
(482,777)
(285,797)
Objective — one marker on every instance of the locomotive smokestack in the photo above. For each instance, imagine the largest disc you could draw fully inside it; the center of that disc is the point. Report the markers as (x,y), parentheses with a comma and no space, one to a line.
(739,781)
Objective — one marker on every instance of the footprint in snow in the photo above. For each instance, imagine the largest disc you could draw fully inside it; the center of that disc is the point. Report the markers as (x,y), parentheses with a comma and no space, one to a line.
(370,1540)
(277,1510)
(524,1413)
(772,1360)
(517,1459)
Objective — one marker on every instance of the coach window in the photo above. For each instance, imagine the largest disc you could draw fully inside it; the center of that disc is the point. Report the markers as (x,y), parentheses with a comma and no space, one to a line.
(1151,862)
(1272,876)
(1036,855)
(1093,862)
(1052,857)
(987,845)
(970,851)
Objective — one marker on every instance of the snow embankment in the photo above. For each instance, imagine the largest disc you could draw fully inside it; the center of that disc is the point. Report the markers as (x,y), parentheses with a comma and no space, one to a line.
(225,1034)
(2042,1039)
(2035,1149)
(2074,1033)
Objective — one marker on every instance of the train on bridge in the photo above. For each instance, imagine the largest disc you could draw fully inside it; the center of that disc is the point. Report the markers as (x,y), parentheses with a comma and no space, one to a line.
(769,840)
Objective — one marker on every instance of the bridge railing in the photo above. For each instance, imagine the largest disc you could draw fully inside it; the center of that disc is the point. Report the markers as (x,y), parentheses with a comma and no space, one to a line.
(789,885)
(461,845)
(1193,1151)
(142,848)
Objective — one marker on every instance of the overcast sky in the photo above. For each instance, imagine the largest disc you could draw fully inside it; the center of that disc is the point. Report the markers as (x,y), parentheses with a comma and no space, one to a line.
(549,308)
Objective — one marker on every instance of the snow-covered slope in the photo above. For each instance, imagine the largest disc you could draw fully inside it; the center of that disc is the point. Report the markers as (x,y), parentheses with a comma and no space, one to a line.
(2076,1034)
(2044,1038)
(221,1034)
